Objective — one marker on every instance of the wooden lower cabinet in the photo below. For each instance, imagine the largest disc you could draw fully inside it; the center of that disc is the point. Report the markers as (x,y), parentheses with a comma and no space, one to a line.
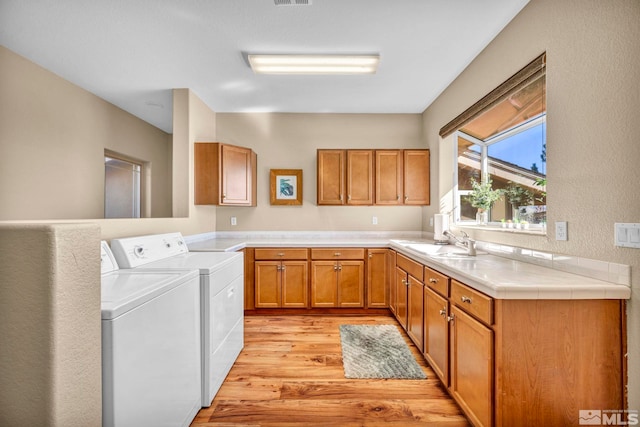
(378,278)
(402,296)
(436,333)
(471,366)
(281,284)
(337,283)
(415,308)
(281,277)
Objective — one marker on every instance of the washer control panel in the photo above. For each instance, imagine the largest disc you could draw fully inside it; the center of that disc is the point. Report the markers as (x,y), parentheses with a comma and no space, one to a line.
(133,252)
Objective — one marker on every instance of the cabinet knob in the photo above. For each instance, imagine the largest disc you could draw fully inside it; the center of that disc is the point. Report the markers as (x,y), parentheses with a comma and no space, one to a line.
(432,280)
(398,197)
(339,267)
(337,254)
(280,253)
(370,255)
(466,299)
(443,312)
(335,267)
(406,198)
(349,197)
(451,318)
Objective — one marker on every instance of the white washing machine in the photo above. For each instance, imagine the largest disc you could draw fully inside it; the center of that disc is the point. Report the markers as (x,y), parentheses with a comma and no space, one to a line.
(221,292)
(151,362)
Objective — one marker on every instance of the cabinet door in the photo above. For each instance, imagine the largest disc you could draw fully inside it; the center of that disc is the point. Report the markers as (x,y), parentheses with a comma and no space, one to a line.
(377,278)
(436,334)
(331,177)
(359,177)
(415,321)
(294,284)
(324,286)
(416,177)
(237,175)
(388,172)
(351,284)
(401,297)
(267,284)
(391,266)
(471,357)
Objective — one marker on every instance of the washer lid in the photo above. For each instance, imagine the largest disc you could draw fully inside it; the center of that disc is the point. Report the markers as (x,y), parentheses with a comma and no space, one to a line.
(206,262)
(124,290)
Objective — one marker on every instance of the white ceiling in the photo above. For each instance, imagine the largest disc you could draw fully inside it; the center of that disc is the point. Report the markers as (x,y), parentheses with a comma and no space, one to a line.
(133,52)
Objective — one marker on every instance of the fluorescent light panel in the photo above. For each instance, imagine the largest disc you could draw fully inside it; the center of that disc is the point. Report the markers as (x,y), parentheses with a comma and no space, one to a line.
(314,64)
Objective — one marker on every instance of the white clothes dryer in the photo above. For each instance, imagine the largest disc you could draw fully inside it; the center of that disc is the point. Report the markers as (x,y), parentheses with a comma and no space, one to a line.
(221,292)
(150,345)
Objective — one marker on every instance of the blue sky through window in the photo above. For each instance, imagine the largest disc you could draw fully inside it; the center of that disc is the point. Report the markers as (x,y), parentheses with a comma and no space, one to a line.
(522,149)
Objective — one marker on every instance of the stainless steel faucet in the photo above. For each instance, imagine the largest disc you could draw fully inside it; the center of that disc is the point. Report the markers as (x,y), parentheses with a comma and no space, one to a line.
(465,242)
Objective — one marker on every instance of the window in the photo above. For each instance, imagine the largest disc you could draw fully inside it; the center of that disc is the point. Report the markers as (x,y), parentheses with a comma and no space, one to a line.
(502,139)
(122,196)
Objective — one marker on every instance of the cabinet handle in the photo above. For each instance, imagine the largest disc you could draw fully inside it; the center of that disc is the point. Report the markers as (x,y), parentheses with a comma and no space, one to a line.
(451,318)
(282,268)
(370,256)
(280,253)
(398,197)
(432,280)
(335,267)
(278,268)
(404,282)
(337,254)
(443,312)
(349,197)
(406,198)
(466,299)
(339,267)
(341,197)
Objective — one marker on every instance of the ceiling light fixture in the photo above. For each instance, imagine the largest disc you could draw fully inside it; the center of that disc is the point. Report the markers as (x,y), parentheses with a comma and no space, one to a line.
(314,64)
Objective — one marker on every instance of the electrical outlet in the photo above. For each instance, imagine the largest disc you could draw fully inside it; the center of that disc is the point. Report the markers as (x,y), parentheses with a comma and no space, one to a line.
(374,220)
(561,230)
(234,221)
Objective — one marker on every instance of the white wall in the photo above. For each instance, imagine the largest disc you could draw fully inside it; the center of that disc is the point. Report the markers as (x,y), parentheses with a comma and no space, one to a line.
(593,70)
(50,357)
(52,140)
(290,141)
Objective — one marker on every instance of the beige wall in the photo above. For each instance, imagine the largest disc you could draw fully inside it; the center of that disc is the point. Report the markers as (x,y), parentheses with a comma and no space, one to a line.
(52,140)
(593,70)
(50,358)
(290,141)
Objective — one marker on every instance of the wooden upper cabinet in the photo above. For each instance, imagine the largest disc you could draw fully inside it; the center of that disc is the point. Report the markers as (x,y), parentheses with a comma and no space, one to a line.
(359,177)
(224,174)
(389,179)
(373,177)
(331,177)
(416,177)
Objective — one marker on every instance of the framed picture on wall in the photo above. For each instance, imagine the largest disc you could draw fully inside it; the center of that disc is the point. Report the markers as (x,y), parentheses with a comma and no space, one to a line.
(286,186)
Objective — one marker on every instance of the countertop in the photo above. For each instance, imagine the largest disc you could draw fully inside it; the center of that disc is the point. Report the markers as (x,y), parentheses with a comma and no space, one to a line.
(497,276)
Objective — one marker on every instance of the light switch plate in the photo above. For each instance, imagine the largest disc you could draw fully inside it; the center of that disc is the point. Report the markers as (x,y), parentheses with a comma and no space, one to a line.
(561,230)
(627,235)
(234,221)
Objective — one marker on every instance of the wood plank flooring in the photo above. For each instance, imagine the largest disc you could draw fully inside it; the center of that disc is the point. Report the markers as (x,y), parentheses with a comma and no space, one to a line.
(290,374)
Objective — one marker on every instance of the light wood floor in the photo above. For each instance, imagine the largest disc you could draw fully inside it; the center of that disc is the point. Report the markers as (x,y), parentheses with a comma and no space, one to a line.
(290,374)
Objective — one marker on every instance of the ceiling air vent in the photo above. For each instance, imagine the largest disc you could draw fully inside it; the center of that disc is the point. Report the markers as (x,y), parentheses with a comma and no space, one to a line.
(292,2)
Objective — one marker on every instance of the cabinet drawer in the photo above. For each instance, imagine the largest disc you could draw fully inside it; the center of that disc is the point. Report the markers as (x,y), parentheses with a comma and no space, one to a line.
(473,302)
(281,253)
(337,253)
(437,281)
(410,266)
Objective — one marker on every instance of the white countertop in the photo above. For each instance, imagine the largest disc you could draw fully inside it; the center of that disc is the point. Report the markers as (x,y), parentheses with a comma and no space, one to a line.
(497,276)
